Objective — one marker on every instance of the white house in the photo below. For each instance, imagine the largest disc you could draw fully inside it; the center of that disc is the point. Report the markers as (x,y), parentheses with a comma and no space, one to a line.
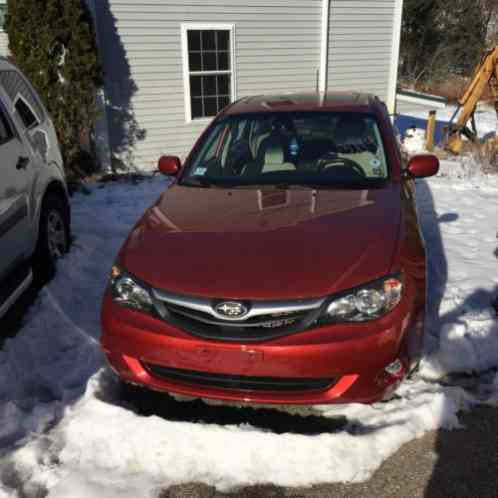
(171,65)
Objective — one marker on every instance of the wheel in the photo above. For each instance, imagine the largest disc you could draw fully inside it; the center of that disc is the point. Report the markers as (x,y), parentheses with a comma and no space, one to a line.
(53,237)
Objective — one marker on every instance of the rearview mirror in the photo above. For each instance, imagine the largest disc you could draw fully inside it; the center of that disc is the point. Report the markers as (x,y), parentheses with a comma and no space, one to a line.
(169,165)
(423,165)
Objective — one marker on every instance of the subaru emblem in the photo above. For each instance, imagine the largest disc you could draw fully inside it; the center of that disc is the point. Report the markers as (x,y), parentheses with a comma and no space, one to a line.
(231,309)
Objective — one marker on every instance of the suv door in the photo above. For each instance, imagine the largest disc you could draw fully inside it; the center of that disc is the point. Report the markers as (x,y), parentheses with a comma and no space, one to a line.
(14,195)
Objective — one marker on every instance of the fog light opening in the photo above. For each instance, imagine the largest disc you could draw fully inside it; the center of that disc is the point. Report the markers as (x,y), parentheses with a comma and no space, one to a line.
(395,368)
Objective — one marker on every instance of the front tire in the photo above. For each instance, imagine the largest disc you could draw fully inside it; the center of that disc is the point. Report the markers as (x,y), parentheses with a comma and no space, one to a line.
(53,237)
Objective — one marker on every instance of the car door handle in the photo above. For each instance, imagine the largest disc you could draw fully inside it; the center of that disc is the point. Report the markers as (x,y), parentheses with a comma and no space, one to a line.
(22,163)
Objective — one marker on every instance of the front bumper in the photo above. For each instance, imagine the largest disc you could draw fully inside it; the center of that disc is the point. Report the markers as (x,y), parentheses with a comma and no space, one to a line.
(352,356)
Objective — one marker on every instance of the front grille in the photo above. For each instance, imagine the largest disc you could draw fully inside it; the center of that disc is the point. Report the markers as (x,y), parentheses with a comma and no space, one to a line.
(239,382)
(263,320)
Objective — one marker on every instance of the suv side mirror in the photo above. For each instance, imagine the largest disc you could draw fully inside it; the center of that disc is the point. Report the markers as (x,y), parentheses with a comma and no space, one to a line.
(422,166)
(169,165)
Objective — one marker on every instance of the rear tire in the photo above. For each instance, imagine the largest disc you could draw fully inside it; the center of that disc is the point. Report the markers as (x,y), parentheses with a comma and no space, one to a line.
(53,237)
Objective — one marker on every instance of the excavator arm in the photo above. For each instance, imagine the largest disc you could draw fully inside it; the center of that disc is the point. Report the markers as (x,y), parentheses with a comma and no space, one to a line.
(485,75)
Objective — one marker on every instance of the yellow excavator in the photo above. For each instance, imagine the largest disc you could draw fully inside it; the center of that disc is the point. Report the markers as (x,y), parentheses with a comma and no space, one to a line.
(486,75)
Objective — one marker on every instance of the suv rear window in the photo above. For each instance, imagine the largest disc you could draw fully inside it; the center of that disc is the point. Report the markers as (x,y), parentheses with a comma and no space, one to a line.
(14,85)
(28,117)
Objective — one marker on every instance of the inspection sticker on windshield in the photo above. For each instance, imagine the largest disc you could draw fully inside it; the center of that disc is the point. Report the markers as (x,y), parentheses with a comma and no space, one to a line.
(200,171)
(375,163)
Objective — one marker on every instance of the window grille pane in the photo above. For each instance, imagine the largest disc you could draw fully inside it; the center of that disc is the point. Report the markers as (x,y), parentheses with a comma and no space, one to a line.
(196,86)
(223,84)
(209,61)
(194,40)
(210,106)
(209,40)
(197,107)
(194,59)
(223,101)
(223,61)
(209,85)
(223,40)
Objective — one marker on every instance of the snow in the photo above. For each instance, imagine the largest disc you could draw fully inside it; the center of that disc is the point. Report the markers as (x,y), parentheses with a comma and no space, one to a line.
(485,117)
(65,431)
(414,140)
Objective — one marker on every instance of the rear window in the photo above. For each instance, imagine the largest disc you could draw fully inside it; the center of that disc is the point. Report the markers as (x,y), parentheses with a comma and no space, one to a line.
(28,117)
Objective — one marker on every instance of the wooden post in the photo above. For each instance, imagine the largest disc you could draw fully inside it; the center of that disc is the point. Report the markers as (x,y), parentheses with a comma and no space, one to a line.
(431,129)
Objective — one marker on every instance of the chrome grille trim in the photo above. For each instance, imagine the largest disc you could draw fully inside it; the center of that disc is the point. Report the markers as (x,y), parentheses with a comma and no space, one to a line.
(256,308)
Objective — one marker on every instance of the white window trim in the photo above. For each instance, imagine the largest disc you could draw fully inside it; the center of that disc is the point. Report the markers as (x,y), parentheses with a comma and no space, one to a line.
(20,96)
(186,72)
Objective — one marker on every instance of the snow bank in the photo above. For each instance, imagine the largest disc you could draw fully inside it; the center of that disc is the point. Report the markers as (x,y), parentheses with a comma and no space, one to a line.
(463,276)
(64,431)
(414,141)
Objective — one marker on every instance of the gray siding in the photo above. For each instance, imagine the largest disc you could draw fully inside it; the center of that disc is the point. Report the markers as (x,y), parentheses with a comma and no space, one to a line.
(277,49)
(361,45)
(4,44)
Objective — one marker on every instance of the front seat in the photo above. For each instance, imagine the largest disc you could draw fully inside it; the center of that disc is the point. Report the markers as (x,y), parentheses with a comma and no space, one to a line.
(353,141)
(270,158)
(274,159)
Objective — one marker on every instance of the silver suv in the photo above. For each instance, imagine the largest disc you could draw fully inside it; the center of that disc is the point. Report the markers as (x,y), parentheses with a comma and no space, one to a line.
(34,203)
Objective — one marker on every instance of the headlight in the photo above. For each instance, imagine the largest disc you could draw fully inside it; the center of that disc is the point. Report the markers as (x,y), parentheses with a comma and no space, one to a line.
(128,292)
(366,303)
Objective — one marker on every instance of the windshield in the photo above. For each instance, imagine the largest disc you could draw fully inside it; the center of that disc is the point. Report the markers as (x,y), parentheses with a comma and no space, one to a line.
(307,149)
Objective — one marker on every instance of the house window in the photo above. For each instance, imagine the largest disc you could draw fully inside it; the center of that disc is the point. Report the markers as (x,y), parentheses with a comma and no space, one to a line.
(3,11)
(208,69)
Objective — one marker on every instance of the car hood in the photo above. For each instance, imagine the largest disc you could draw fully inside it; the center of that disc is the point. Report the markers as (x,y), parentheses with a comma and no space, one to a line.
(264,244)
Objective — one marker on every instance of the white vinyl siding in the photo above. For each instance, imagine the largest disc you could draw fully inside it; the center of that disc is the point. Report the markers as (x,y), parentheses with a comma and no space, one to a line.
(4,44)
(277,49)
(361,45)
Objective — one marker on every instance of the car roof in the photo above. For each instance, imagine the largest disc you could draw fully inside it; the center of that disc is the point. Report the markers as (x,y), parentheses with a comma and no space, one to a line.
(329,101)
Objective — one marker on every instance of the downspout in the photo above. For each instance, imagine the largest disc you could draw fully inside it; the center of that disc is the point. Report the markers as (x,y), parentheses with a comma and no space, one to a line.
(393,76)
(324,51)
(102,142)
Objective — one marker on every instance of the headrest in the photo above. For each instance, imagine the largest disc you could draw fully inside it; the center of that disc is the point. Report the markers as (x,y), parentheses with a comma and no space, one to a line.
(350,130)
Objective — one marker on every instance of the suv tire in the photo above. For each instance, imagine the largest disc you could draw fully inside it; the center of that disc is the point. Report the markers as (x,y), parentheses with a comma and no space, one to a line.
(53,237)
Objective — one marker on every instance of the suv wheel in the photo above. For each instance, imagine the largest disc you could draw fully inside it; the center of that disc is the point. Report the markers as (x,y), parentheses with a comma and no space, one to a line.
(53,238)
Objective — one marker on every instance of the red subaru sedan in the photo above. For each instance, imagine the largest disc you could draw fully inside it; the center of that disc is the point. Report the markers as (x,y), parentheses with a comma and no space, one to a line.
(284,264)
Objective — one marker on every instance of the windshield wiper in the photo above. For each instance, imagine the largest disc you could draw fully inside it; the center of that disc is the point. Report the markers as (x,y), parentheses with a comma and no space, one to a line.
(197,181)
(273,186)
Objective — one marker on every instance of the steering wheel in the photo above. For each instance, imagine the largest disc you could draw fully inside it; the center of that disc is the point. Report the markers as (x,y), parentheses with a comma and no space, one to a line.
(330,162)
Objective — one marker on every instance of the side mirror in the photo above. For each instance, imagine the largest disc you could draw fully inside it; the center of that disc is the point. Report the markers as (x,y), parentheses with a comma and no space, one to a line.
(422,166)
(169,165)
